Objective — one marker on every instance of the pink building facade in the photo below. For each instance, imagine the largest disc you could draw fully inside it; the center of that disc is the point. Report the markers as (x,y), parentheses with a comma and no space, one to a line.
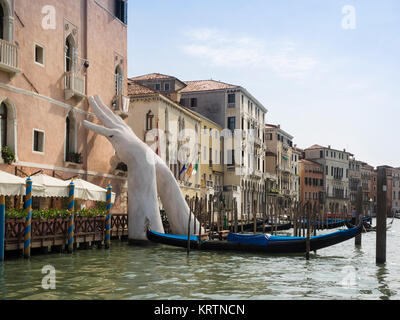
(53,55)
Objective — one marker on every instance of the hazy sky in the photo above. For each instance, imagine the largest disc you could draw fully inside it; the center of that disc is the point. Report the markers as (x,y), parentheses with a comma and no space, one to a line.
(329,74)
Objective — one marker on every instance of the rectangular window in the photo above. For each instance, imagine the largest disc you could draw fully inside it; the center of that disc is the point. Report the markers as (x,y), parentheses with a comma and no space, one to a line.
(38,141)
(321,154)
(183,102)
(39,54)
(193,103)
(231,158)
(158,86)
(121,10)
(166,86)
(231,98)
(231,123)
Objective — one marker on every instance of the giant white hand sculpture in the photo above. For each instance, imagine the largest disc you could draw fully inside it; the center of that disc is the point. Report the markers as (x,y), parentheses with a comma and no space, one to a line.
(147,174)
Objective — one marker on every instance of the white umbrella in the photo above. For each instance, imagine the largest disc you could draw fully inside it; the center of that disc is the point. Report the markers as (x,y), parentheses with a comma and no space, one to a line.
(53,187)
(11,185)
(88,191)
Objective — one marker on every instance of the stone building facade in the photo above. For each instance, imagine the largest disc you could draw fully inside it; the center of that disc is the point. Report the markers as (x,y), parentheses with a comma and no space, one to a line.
(242,118)
(312,186)
(336,176)
(282,160)
(172,131)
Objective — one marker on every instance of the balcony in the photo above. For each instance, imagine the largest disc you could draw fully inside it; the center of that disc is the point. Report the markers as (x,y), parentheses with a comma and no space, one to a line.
(121,105)
(75,85)
(258,142)
(258,174)
(9,58)
(269,176)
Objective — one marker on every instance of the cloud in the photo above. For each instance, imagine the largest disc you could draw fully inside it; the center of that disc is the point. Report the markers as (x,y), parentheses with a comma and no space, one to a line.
(223,49)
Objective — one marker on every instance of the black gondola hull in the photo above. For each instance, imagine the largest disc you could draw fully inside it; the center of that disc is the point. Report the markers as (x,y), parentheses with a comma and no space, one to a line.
(297,245)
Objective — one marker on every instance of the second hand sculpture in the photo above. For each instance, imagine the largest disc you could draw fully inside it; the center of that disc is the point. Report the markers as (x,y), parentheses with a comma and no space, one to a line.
(148,175)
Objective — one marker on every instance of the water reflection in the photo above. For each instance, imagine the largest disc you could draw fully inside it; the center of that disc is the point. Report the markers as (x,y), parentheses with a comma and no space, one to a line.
(344,271)
(381,274)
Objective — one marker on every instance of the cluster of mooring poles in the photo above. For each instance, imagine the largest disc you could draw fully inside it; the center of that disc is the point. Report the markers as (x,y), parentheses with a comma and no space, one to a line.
(71,221)
(218,218)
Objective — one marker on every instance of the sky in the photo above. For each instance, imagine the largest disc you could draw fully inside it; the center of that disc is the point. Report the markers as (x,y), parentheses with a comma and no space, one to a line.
(327,71)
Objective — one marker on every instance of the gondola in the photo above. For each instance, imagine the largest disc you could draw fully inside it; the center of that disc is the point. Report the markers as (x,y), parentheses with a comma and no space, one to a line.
(328,224)
(261,243)
(278,227)
(249,227)
(367,227)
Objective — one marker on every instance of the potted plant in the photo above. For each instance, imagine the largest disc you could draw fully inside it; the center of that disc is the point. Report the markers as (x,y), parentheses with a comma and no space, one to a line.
(8,155)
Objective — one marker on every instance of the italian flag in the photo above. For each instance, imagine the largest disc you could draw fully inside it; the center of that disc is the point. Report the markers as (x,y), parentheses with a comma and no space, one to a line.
(193,171)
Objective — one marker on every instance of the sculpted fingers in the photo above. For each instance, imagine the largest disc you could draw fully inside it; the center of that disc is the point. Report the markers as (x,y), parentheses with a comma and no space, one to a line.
(104,118)
(107,110)
(109,133)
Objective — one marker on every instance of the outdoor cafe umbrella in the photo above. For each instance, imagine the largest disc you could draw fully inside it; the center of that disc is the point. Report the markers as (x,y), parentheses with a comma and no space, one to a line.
(11,185)
(53,187)
(88,191)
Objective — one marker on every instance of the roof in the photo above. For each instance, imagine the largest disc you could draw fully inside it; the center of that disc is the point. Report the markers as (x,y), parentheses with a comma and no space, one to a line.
(136,89)
(206,85)
(156,76)
(278,128)
(315,146)
(151,76)
(306,161)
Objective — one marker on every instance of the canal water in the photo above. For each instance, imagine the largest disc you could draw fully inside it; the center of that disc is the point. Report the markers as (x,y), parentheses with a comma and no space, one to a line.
(160,272)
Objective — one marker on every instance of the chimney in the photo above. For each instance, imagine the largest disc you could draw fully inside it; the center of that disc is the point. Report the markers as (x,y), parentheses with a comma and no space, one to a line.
(329,147)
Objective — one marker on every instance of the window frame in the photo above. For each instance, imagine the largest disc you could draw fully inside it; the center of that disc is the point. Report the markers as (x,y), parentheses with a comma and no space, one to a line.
(43,142)
(34,54)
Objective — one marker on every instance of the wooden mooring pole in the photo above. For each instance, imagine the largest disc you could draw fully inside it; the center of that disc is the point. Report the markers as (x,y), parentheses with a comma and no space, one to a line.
(308,244)
(381,216)
(359,210)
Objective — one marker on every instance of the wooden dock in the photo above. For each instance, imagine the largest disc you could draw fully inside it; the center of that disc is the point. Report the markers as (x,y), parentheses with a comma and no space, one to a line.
(53,233)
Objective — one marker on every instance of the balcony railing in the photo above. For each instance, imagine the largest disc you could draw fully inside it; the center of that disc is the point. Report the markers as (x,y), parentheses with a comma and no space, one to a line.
(75,85)
(9,57)
(121,105)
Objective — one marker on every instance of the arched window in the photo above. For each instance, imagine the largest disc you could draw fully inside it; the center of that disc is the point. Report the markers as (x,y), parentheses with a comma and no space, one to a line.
(119,80)
(70,135)
(149,121)
(69,54)
(8,125)
(6,21)
(1,21)
(3,125)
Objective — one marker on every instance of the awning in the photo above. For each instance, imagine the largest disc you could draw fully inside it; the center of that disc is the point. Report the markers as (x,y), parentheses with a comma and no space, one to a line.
(11,185)
(88,191)
(53,187)
(47,186)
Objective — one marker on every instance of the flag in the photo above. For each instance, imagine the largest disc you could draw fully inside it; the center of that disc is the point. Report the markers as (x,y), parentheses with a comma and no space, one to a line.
(196,168)
(190,171)
(158,140)
(182,171)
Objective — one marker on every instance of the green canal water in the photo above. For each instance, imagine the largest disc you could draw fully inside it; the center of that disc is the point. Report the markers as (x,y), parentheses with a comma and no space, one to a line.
(160,272)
